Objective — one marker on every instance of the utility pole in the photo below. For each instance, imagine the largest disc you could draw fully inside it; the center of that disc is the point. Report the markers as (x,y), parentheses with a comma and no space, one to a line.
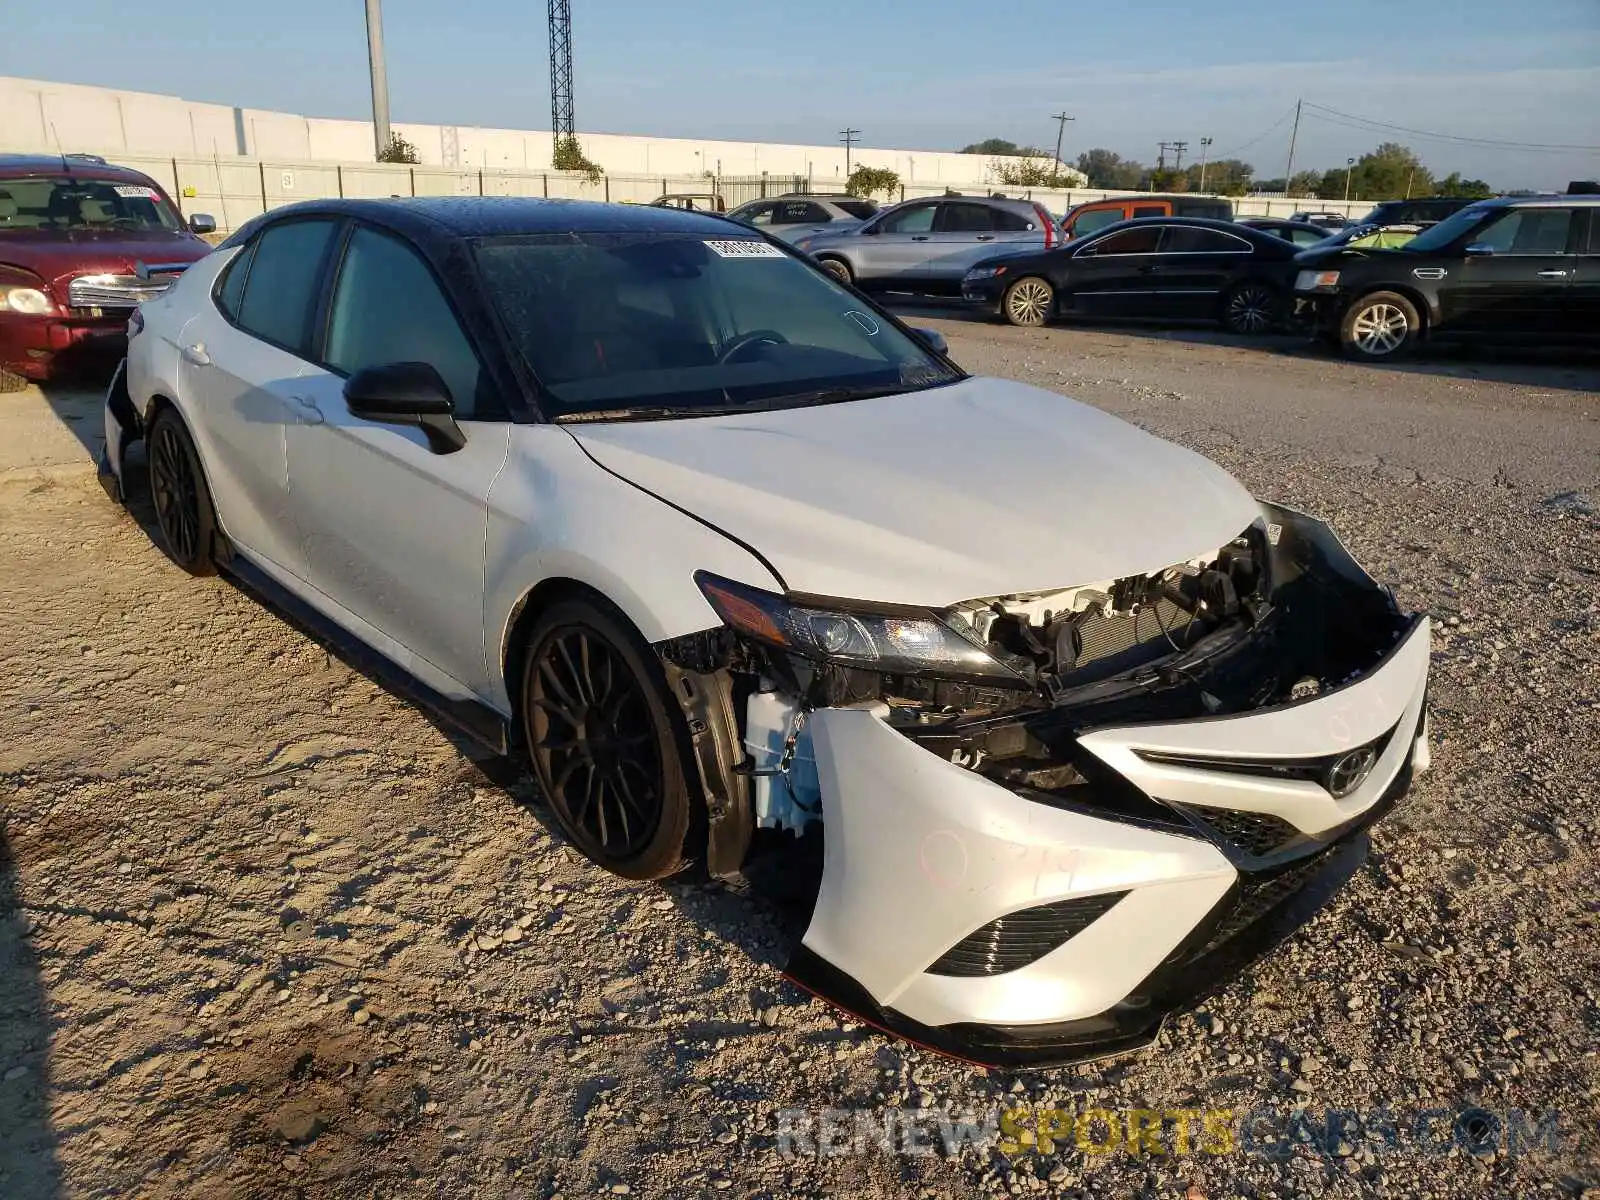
(1294,135)
(1161,162)
(563,125)
(849,138)
(380,77)
(1061,120)
(1205,150)
(1349,165)
(1178,148)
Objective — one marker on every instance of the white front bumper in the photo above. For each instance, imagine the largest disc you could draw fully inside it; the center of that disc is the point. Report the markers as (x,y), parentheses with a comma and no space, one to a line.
(919,853)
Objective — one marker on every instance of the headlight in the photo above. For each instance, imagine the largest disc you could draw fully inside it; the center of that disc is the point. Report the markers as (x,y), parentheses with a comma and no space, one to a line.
(1316,281)
(985,272)
(896,641)
(26,300)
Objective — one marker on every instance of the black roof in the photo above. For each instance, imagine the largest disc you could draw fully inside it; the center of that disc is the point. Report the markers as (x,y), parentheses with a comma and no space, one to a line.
(427,217)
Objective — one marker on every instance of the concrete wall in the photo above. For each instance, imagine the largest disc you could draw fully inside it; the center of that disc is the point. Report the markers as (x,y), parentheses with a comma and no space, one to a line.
(38,115)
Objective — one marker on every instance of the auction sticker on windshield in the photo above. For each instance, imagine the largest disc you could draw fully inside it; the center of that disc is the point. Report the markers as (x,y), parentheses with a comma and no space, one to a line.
(134,192)
(745,250)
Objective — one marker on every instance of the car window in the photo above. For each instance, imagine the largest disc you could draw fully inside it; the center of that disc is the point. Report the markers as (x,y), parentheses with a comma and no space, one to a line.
(966,218)
(1186,239)
(233,280)
(1150,210)
(860,209)
(910,220)
(756,214)
(63,202)
(280,294)
(801,212)
(1095,218)
(1307,237)
(1127,241)
(1594,231)
(1006,221)
(387,308)
(1527,231)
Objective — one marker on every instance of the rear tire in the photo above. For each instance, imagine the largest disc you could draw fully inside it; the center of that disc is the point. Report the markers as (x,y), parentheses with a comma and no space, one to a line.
(1379,326)
(1251,309)
(182,500)
(605,740)
(1028,302)
(839,269)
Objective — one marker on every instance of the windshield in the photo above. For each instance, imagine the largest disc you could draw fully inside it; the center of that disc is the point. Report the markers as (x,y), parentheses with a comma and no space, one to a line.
(61,202)
(1437,237)
(658,320)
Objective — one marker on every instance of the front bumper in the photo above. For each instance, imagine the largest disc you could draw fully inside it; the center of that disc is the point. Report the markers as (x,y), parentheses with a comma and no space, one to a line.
(986,292)
(922,856)
(1316,312)
(42,348)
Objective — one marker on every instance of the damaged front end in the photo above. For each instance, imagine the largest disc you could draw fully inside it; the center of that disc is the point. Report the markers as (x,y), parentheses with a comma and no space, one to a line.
(1047,819)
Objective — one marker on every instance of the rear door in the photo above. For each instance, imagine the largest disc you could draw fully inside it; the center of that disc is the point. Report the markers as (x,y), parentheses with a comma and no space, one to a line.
(1194,267)
(1584,305)
(393,533)
(1518,286)
(1113,275)
(963,233)
(239,368)
(897,247)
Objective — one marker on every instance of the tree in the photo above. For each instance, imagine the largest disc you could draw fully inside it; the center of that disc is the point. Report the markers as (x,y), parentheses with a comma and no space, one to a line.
(1391,172)
(1035,170)
(1471,189)
(1224,177)
(866,181)
(1304,183)
(993,146)
(569,156)
(399,151)
(1107,169)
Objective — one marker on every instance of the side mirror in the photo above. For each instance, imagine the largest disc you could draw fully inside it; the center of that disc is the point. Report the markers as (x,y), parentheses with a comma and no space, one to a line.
(202,223)
(406,393)
(933,339)
(1480,250)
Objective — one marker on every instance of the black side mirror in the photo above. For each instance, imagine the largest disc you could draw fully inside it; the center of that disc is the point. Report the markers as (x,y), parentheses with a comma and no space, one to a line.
(202,223)
(933,339)
(406,393)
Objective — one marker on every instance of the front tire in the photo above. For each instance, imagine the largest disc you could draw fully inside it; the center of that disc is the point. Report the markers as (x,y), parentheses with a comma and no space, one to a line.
(839,269)
(1251,309)
(604,745)
(1381,325)
(183,505)
(1028,301)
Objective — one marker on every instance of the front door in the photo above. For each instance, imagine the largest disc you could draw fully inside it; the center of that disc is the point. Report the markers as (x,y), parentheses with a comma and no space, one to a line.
(1516,278)
(1114,274)
(392,532)
(240,362)
(1193,269)
(895,249)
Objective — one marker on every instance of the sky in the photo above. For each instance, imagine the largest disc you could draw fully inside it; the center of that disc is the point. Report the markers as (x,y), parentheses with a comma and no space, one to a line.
(923,75)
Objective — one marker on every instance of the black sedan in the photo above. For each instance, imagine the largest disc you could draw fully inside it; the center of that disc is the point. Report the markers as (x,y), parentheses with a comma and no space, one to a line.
(1303,234)
(1174,267)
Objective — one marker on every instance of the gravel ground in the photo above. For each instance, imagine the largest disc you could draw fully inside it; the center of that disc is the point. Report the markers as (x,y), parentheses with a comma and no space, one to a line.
(266,931)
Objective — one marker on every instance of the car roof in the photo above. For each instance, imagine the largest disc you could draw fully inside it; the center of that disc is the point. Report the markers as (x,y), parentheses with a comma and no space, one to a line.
(1552,201)
(429,217)
(19,166)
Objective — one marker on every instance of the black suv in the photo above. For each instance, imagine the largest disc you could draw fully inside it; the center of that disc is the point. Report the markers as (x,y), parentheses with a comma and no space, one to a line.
(1510,270)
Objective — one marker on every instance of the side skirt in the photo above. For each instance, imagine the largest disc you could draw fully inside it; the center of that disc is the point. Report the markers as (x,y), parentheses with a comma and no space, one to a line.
(469,717)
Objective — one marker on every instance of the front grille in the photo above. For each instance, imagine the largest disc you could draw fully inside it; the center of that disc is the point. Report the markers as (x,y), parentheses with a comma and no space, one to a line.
(1013,941)
(1256,896)
(117,291)
(1253,833)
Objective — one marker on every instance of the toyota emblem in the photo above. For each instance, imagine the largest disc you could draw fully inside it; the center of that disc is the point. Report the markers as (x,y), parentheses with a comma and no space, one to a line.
(1349,771)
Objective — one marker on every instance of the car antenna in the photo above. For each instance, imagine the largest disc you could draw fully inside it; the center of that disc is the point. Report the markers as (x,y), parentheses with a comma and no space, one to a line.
(56,138)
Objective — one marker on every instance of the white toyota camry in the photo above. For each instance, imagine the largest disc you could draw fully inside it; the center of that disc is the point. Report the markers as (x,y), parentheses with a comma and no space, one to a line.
(740,563)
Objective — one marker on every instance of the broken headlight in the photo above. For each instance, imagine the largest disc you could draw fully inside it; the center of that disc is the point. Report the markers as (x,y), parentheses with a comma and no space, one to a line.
(894,640)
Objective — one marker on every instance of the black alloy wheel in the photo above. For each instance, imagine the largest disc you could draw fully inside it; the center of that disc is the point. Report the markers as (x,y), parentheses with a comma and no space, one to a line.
(603,744)
(1250,308)
(182,499)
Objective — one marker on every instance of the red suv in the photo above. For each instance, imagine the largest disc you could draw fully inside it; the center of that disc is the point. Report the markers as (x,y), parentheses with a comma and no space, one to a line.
(82,243)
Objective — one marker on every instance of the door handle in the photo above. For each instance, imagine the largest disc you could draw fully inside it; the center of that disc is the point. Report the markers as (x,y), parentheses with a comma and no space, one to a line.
(919,237)
(306,409)
(1554,274)
(197,354)
(986,237)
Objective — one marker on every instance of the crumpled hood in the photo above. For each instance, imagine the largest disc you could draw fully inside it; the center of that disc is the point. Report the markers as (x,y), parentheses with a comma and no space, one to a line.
(981,488)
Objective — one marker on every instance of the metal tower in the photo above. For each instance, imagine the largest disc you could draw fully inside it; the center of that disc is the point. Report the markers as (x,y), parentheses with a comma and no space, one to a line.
(561,122)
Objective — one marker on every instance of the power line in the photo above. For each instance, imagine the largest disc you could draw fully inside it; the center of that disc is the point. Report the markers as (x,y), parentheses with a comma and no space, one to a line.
(1273,128)
(1347,118)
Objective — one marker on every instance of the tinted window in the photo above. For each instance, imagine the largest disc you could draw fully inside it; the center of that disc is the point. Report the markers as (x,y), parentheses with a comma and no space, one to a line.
(1128,241)
(966,218)
(1183,239)
(911,220)
(1006,221)
(861,209)
(755,214)
(388,308)
(233,282)
(280,294)
(1594,231)
(801,212)
(1095,218)
(1150,210)
(609,320)
(1307,237)
(1528,231)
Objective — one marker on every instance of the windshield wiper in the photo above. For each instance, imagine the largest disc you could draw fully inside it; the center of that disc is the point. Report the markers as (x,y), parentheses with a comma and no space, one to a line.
(652,412)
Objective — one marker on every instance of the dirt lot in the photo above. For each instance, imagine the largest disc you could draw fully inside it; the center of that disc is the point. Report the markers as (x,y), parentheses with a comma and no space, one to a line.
(265,931)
